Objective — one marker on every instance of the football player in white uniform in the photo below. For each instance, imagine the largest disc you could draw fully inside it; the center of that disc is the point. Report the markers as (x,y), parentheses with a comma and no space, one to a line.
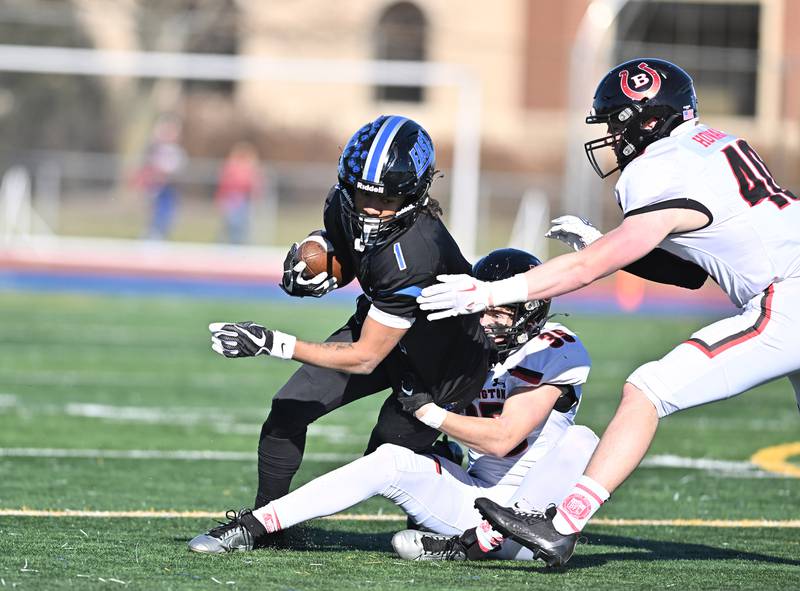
(524,447)
(696,202)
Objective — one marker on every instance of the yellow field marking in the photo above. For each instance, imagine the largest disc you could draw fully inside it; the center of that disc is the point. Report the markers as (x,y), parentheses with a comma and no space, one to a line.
(774,459)
(789,523)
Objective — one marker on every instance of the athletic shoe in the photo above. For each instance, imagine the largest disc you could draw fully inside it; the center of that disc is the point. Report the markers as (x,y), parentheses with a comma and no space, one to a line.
(412,544)
(534,530)
(242,532)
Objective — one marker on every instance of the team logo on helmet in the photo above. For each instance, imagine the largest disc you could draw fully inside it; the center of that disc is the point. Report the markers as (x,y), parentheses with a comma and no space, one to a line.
(648,76)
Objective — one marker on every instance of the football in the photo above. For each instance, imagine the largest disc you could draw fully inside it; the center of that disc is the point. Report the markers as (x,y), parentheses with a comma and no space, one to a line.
(317,253)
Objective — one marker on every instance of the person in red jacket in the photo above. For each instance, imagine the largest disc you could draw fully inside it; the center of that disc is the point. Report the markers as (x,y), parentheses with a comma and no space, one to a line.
(239,183)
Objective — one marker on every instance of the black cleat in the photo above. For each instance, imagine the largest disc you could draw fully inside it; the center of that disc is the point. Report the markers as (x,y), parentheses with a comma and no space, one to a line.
(242,532)
(534,530)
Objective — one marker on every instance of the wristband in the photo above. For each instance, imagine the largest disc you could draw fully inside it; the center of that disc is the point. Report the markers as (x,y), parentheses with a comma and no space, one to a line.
(434,416)
(282,345)
(508,291)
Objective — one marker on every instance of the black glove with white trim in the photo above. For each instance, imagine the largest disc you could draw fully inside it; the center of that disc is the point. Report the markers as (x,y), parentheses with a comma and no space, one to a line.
(247,339)
(295,284)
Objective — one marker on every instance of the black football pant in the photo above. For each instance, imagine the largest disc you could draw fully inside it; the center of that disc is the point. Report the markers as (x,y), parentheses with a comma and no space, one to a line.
(313,392)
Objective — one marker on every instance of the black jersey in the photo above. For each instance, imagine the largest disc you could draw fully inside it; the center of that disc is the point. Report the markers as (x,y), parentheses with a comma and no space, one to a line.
(449,357)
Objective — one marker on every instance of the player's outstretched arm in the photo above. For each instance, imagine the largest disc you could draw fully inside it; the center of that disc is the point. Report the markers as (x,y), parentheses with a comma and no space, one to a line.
(634,238)
(247,339)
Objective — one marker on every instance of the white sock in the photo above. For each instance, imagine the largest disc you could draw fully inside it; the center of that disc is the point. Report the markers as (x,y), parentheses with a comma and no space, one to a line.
(268,518)
(488,538)
(577,508)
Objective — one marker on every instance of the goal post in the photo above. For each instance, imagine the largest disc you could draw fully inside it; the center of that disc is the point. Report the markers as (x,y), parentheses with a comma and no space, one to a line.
(465,172)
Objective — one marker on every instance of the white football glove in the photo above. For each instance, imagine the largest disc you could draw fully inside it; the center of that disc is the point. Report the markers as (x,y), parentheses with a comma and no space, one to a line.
(574,231)
(246,339)
(456,295)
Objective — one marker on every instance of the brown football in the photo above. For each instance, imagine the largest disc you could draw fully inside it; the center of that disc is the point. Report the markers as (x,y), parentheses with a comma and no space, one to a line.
(318,255)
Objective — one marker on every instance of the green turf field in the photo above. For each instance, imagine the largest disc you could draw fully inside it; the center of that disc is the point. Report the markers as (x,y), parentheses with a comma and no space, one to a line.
(84,380)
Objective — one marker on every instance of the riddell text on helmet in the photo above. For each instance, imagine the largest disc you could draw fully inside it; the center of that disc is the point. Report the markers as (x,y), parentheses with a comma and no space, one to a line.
(369,187)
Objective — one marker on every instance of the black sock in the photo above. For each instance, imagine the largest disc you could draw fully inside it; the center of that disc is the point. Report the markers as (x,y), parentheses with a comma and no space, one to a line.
(278,461)
(470,541)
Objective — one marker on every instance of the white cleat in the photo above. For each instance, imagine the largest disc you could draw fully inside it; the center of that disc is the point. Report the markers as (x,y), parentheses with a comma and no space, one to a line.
(412,544)
(242,532)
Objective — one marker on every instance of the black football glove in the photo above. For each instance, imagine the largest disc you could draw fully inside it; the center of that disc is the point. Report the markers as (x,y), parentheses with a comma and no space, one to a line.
(410,398)
(296,285)
(246,339)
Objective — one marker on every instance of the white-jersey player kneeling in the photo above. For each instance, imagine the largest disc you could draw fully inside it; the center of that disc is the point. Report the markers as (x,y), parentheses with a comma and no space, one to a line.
(524,447)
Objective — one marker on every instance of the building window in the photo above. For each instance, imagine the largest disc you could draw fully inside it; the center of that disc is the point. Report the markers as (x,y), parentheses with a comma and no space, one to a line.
(716,43)
(401,35)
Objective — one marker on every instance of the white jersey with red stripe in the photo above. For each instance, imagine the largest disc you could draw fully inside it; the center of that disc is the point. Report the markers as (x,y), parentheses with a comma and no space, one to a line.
(752,239)
(556,357)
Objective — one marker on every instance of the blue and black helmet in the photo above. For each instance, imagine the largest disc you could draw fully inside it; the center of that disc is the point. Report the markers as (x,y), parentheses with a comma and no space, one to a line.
(392,156)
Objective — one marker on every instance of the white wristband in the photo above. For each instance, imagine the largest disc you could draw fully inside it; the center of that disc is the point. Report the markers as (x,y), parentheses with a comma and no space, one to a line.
(434,416)
(282,345)
(508,291)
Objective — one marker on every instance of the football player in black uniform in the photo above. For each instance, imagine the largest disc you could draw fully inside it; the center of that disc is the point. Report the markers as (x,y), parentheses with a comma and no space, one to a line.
(386,231)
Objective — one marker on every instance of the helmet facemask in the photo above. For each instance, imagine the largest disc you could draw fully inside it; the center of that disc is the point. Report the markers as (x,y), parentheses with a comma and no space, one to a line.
(631,129)
(370,231)
(526,321)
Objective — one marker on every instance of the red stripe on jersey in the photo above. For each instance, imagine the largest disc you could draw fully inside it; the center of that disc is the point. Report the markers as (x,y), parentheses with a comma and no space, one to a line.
(527,375)
(742,336)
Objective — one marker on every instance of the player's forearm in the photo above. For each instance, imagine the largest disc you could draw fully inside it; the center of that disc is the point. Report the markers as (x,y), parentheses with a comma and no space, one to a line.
(560,275)
(345,357)
(573,271)
(484,435)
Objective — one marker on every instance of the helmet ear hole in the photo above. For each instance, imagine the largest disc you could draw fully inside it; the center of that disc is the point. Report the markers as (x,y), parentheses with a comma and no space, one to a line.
(650,124)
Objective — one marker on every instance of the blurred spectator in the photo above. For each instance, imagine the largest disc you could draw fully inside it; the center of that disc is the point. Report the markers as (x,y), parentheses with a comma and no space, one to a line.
(239,184)
(163,162)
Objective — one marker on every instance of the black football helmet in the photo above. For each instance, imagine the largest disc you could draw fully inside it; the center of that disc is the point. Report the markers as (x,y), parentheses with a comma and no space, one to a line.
(528,317)
(641,101)
(394,157)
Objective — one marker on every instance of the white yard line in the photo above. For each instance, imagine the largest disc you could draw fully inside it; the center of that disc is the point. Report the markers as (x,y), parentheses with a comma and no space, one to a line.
(741,468)
(790,523)
(149,454)
(219,419)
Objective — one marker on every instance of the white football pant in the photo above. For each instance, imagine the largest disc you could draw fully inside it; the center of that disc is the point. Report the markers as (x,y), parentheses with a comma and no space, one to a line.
(731,356)
(436,493)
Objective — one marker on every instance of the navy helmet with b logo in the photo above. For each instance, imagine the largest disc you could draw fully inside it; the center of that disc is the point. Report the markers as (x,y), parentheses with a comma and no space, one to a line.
(392,157)
(641,101)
